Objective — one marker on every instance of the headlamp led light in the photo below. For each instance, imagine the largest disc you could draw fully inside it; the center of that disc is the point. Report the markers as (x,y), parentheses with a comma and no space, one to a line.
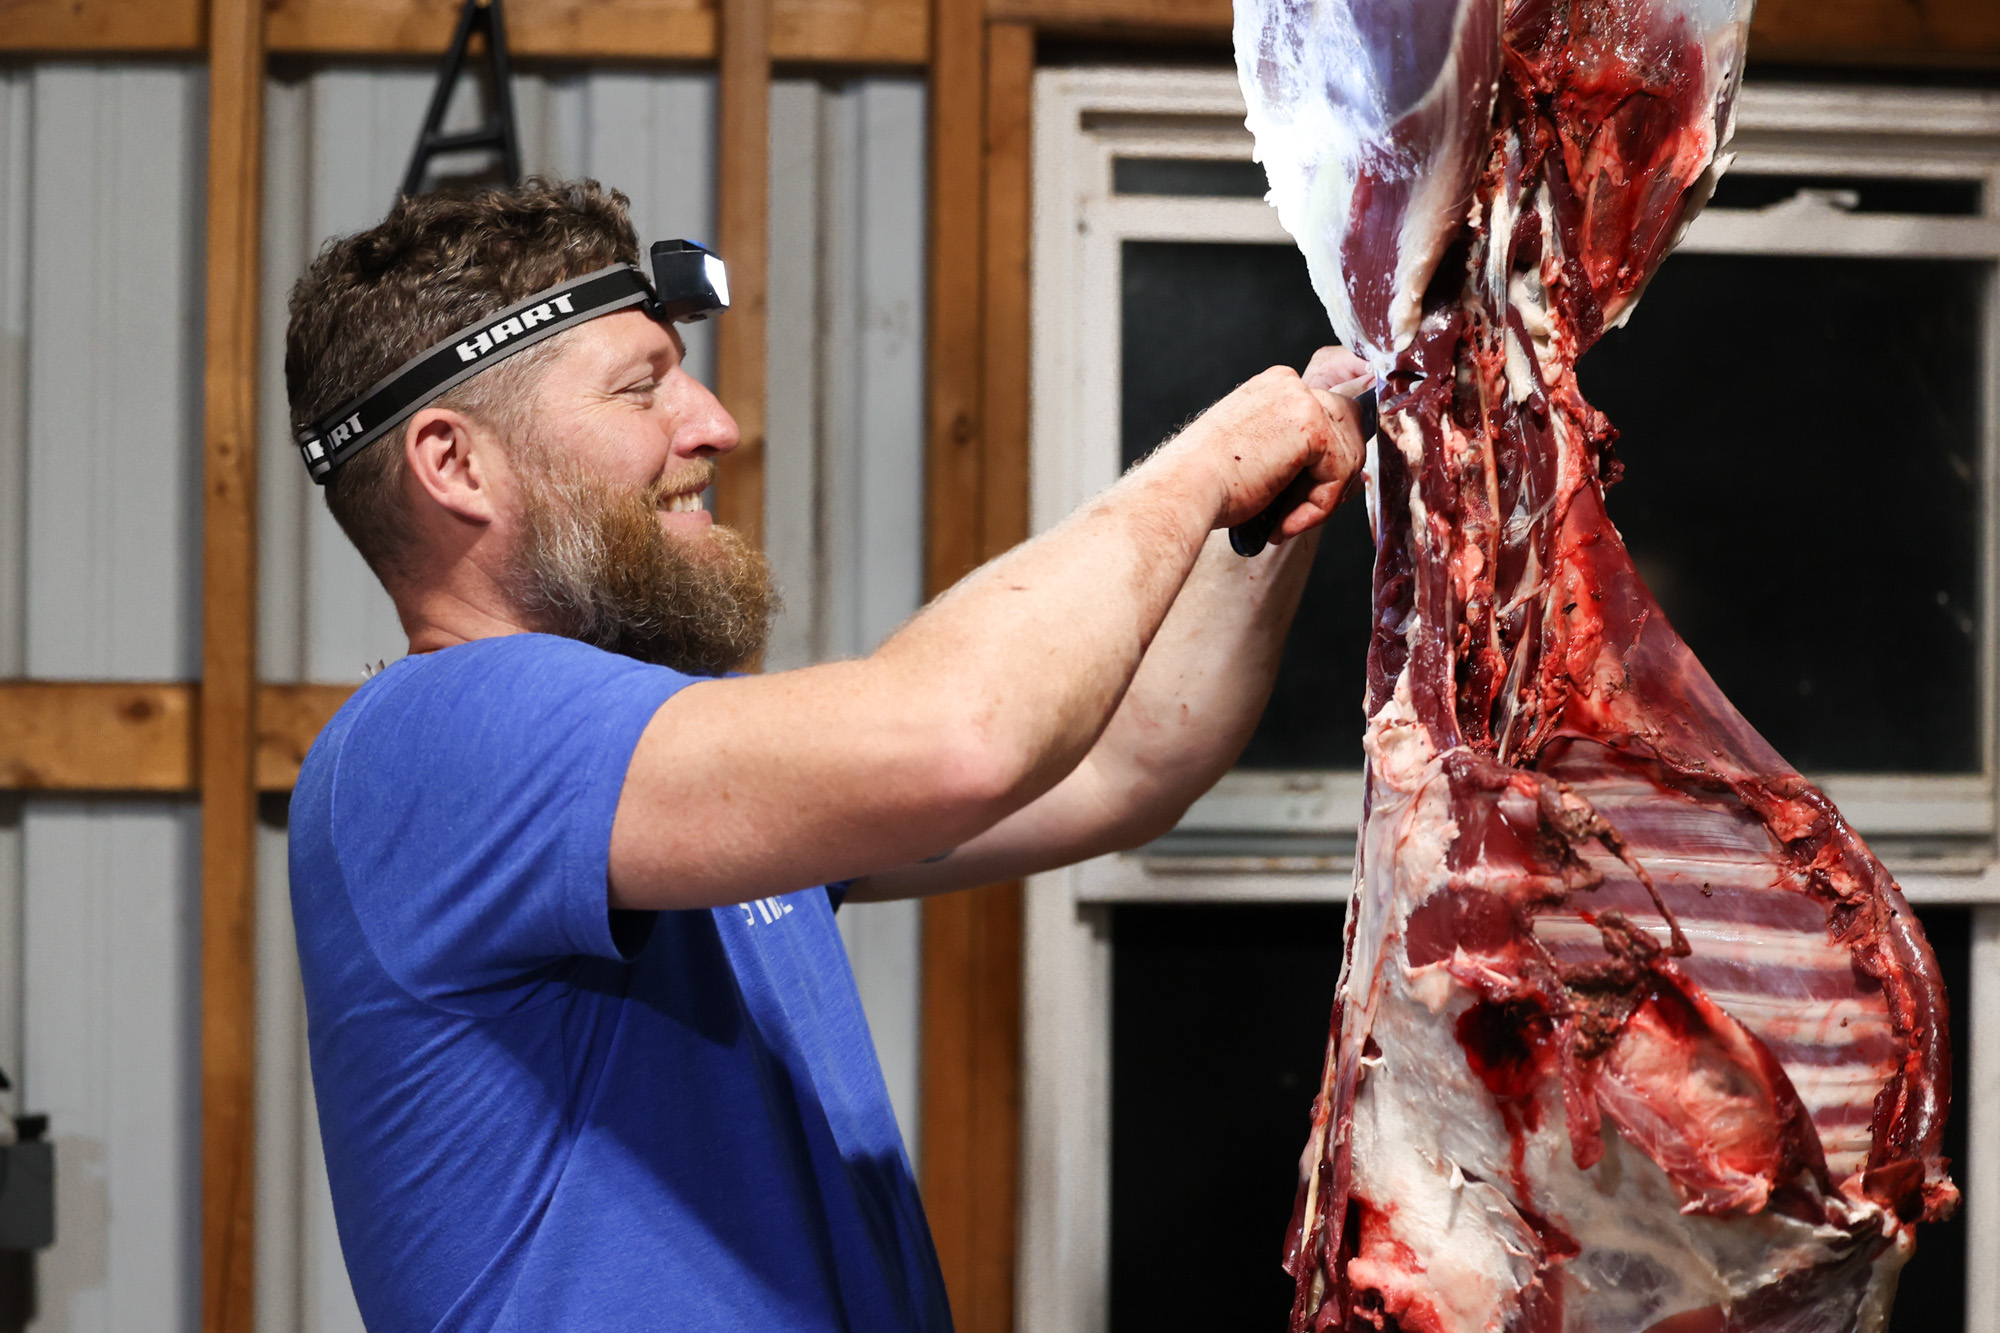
(689,284)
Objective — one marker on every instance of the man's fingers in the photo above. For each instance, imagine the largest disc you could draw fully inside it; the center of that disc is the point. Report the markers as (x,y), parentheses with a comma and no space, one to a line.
(1331,367)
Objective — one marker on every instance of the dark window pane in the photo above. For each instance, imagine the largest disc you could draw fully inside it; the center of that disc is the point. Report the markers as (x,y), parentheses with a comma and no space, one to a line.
(1220,1018)
(1198,320)
(1208,177)
(1935,198)
(1802,494)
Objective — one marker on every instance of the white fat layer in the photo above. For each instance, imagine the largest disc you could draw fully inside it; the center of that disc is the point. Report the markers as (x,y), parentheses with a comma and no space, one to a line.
(1433,1155)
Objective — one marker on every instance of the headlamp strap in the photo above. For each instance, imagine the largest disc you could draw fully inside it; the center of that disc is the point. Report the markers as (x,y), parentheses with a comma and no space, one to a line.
(360,421)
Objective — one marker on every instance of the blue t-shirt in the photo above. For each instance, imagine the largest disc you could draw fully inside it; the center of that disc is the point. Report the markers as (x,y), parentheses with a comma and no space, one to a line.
(539,1114)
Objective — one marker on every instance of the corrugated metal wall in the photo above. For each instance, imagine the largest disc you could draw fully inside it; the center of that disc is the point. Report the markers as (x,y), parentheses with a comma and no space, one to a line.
(100,307)
(101,227)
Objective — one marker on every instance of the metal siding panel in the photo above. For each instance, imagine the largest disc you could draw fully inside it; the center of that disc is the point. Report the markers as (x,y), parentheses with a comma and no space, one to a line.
(362,124)
(113,489)
(13,987)
(873,206)
(548,116)
(281,1084)
(653,136)
(791,486)
(840,471)
(890,238)
(15,120)
(284,493)
(113,923)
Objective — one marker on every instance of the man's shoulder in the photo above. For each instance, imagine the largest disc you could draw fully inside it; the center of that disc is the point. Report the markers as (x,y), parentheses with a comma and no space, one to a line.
(485,691)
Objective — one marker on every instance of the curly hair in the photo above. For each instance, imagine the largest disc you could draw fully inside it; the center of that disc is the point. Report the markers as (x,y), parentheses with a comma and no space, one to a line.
(371,301)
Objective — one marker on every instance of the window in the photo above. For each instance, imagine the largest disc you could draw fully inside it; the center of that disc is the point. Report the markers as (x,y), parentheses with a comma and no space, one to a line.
(1810,404)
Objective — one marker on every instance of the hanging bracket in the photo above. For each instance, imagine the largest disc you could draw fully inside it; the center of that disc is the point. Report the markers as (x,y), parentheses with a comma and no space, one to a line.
(498,133)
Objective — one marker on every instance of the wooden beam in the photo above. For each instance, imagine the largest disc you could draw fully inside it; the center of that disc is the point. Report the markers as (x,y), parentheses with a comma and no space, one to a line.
(227,766)
(1889,33)
(92,736)
(1885,34)
(868,32)
(844,32)
(140,736)
(289,719)
(1881,33)
(75,26)
(743,228)
(1202,17)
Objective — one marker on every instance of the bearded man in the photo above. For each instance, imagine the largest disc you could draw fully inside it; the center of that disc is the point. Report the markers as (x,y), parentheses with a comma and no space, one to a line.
(586,1047)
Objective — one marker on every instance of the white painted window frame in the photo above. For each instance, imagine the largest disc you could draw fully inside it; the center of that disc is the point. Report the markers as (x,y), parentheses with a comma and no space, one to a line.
(1084,120)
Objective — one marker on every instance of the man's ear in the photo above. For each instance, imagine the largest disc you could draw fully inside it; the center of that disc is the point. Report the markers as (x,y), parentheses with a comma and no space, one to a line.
(453,462)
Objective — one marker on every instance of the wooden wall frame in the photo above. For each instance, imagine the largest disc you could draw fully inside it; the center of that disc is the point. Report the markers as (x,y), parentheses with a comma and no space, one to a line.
(229,738)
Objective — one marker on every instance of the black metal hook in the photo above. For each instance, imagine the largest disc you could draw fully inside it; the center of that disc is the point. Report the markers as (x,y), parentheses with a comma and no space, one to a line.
(498,133)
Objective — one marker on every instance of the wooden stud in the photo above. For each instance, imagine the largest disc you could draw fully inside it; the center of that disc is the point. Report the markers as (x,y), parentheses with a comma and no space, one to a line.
(952,472)
(977,500)
(743,228)
(229,663)
(972,957)
(1004,394)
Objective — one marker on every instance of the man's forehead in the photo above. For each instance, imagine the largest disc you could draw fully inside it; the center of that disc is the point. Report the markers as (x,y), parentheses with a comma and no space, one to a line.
(615,341)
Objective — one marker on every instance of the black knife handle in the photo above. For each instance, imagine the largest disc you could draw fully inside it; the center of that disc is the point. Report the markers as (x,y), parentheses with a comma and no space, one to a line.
(1252,535)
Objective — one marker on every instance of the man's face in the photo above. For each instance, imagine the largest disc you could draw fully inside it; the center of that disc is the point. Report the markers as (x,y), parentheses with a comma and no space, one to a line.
(615,547)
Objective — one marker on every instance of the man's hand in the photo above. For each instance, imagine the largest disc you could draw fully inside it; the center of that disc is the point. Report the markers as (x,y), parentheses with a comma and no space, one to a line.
(1271,429)
(1335,369)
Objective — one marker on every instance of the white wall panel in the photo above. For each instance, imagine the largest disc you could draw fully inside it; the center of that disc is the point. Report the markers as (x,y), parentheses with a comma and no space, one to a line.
(114,396)
(844,462)
(15,120)
(653,136)
(100,336)
(113,925)
(791,426)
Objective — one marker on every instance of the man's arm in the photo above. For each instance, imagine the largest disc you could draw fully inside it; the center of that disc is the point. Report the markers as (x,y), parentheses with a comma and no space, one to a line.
(1193,704)
(1191,709)
(983,702)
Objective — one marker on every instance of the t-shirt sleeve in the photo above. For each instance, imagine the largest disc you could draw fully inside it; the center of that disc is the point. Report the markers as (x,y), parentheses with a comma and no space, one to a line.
(472,806)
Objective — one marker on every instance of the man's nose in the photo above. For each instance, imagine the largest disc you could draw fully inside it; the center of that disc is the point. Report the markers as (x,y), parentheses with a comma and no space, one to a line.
(705,430)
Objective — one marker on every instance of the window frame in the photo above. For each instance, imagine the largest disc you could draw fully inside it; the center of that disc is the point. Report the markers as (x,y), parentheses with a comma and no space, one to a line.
(1274,828)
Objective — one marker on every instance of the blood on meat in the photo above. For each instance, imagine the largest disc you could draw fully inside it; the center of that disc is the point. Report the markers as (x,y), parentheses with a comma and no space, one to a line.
(1633,1031)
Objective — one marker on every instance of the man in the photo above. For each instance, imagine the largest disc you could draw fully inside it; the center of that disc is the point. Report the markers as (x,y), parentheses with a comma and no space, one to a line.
(585,1045)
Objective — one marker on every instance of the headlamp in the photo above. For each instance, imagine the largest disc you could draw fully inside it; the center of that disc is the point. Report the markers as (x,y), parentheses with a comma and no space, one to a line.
(689,284)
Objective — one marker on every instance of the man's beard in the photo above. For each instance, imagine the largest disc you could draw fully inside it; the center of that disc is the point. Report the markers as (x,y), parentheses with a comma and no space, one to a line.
(596,566)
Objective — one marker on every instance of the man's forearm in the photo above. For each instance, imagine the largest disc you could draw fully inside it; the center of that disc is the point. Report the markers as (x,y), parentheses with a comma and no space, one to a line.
(1204,682)
(1192,705)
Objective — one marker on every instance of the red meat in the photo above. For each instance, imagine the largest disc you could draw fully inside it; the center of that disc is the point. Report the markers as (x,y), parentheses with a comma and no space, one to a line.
(1634,1033)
